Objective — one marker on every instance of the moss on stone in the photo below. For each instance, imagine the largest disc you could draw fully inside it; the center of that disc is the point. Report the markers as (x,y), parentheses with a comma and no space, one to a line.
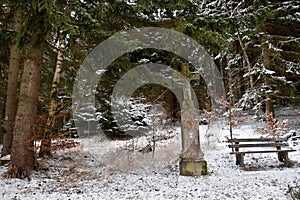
(204,168)
(192,168)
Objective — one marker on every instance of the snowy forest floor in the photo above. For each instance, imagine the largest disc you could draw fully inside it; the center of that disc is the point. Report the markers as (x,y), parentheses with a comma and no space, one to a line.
(109,170)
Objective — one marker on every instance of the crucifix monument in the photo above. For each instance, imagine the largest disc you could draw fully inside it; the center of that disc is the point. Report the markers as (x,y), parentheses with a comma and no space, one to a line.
(191,162)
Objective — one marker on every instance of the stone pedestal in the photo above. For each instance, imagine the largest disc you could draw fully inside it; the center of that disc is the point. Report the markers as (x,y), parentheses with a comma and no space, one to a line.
(192,167)
(191,162)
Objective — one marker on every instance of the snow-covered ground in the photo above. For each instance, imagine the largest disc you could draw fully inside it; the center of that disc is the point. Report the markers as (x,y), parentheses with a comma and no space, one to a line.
(109,170)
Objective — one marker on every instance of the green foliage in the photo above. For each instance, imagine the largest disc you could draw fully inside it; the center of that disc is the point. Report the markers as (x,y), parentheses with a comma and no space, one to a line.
(157,10)
(216,25)
(211,40)
(36,23)
(294,190)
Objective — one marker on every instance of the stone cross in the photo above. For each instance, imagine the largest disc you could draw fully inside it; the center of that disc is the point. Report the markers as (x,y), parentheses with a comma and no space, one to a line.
(191,162)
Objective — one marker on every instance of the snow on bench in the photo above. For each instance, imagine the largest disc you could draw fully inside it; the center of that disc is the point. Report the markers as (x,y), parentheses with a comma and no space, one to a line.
(260,145)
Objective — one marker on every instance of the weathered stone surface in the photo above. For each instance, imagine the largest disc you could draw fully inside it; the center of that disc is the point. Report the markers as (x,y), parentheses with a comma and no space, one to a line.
(191,158)
(192,167)
(190,134)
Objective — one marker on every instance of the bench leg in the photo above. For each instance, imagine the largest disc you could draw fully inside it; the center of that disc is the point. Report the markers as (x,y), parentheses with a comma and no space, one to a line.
(283,157)
(237,159)
(240,160)
(242,164)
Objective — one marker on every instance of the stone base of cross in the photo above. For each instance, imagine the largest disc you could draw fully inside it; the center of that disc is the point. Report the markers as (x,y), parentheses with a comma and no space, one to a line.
(192,167)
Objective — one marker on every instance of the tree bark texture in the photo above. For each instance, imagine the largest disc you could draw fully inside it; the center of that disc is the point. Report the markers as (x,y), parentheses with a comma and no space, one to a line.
(46,141)
(23,156)
(12,92)
(269,97)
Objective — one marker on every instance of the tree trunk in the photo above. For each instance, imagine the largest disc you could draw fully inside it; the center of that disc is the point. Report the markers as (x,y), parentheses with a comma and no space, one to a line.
(248,65)
(269,106)
(12,92)
(45,149)
(246,57)
(269,98)
(23,156)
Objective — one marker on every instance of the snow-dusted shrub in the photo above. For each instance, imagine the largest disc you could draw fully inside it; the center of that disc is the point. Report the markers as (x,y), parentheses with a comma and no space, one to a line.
(137,117)
(294,190)
(275,126)
(126,159)
(131,114)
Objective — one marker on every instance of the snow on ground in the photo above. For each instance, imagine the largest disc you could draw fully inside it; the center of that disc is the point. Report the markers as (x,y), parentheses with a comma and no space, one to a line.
(108,170)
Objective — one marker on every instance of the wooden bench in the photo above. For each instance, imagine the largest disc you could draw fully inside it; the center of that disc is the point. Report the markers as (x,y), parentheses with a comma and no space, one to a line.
(266,145)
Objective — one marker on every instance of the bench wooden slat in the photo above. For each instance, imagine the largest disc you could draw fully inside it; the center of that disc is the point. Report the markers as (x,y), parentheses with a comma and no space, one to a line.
(277,144)
(257,140)
(268,151)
